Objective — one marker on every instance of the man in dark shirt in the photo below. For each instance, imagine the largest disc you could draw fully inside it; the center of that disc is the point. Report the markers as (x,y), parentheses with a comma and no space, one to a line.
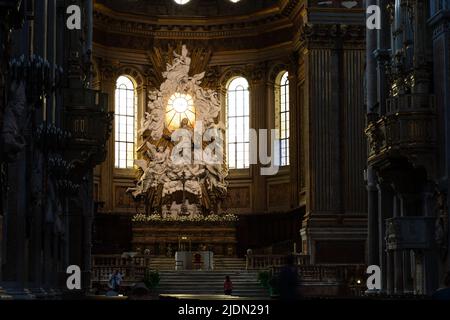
(444,293)
(288,280)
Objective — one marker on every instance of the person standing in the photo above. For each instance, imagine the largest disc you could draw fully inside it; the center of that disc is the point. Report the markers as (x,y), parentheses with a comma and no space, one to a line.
(228,286)
(288,280)
(443,293)
(115,281)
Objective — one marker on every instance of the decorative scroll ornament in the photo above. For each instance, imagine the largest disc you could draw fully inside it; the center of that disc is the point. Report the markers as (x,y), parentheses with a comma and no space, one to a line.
(194,187)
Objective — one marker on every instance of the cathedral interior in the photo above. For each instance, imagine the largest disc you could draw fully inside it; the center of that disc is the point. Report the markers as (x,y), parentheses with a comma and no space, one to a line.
(175,142)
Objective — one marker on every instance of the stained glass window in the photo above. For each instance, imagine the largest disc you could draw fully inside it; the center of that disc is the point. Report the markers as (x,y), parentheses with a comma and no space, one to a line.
(180,106)
(238,124)
(125,123)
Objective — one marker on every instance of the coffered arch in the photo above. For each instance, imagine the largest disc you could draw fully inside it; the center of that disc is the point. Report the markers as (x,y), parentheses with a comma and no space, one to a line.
(231,73)
(276,69)
(132,72)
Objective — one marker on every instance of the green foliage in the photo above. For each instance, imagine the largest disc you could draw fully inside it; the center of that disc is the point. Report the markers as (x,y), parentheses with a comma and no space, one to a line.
(264,278)
(274,283)
(269,282)
(151,279)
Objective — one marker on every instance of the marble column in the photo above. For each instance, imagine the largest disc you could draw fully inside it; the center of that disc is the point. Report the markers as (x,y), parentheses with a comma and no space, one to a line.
(37,255)
(373,219)
(295,139)
(440,24)
(385,211)
(398,255)
(407,275)
(371,96)
(258,120)
(382,55)
(1,237)
(390,272)
(371,66)
(88,216)
(14,270)
(422,43)
(108,86)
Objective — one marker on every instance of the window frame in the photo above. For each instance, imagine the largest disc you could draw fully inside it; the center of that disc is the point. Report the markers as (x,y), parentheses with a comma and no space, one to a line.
(282,116)
(120,115)
(241,113)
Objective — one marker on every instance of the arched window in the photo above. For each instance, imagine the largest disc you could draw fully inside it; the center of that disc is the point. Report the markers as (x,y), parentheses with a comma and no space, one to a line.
(282,116)
(238,124)
(125,123)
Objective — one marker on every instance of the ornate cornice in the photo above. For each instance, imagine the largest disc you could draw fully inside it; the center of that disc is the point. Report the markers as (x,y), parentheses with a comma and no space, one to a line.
(107,70)
(276,69)
(212,78)
(326,35)
(193,9)
(231,73)
(269,20)
(257,72)
(104,70)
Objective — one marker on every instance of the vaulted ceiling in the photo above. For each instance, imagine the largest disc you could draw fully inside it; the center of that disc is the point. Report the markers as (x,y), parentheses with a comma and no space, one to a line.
(219,24)
(194,8)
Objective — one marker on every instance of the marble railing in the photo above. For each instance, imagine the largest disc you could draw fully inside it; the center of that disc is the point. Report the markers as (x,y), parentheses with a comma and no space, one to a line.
(267,261)
(350,274)
(132,267)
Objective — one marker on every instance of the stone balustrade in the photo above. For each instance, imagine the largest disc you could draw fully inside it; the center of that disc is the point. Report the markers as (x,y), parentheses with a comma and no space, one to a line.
(132,267)
(267,261)
(353,274)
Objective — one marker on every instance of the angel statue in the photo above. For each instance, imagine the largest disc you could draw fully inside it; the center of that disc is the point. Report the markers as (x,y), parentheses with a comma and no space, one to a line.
(153,121)
(153,171)
(179,68)
(160,158)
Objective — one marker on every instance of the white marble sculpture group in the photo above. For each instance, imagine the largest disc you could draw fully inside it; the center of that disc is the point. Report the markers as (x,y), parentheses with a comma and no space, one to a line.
(170,188)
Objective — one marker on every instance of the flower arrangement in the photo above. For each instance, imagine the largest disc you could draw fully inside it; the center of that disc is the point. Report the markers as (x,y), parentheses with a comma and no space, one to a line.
(211,218)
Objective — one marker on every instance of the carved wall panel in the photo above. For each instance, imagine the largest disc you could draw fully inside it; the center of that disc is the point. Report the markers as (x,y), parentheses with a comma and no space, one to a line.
(340,251)
(279,195)
(238,198)
(122,200)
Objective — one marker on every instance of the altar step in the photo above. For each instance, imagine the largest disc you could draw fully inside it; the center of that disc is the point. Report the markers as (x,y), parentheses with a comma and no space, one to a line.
(245,283)
(162,263)
(220,264)
(226,263)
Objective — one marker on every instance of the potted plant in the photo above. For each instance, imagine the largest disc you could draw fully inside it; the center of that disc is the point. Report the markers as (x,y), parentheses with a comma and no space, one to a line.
(269,282)
(273,286)
(264,278)
(151,279)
